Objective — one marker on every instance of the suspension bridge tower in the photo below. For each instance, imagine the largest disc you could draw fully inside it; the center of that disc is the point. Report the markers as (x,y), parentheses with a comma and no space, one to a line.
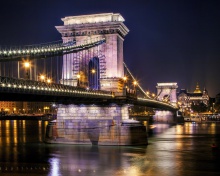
(99,67)
(167,92)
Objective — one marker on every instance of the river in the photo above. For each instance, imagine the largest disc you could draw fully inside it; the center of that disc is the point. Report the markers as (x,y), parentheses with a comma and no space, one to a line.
(178,150)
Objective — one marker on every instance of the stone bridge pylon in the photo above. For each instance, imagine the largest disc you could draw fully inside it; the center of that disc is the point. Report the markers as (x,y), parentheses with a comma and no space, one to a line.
(100,67)
(167,92)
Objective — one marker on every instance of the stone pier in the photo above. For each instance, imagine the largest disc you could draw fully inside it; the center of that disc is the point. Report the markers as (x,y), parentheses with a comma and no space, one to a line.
(95,125)
(165,117)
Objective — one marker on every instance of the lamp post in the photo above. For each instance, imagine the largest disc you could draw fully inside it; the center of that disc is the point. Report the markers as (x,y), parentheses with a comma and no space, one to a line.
(49,81)
(78,80)
(135,83)
(153,95)
(27,67)
(93,71)
(125,86)
(42,78)
(93,81)
(125,81)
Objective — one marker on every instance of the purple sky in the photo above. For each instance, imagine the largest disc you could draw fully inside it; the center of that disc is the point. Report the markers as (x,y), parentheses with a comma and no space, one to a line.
(169,40)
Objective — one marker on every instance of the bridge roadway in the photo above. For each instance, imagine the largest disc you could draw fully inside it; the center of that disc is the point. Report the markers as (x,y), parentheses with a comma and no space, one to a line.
(12,89)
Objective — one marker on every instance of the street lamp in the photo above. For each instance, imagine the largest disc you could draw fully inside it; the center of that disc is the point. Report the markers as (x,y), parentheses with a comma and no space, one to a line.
(125,78)
(78,77)
(125,81)
(27,66)
(93,71)
(153,95)
(49,81)
(42,78)
(135,83)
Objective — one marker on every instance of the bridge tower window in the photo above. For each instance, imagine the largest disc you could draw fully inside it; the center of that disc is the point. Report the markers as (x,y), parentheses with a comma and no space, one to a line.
(94,74)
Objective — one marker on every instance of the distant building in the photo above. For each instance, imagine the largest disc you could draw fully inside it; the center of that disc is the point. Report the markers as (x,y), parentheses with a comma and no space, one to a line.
(14,107)
(187,99)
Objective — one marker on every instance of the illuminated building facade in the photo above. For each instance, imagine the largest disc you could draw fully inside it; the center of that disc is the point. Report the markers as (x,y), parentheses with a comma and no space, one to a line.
(17,107)
(10,106)
(187,99)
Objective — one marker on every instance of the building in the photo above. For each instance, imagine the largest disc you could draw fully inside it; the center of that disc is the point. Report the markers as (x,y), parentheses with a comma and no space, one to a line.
(17,107)
(10,106)
(187,99)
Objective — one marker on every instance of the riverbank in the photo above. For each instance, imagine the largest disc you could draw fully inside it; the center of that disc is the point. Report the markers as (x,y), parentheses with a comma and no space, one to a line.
(45,117)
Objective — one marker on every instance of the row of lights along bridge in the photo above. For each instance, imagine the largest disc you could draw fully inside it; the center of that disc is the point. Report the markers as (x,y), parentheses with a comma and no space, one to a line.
(43,78)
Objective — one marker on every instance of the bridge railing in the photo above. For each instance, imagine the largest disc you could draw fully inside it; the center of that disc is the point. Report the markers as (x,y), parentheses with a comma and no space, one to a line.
(166,105)
(22,85)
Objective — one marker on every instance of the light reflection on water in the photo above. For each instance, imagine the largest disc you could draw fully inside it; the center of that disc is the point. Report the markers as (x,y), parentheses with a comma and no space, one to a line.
(172,150)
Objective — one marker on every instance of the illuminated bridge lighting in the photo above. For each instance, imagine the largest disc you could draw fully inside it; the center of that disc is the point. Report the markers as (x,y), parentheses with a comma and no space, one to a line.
(8,54)
(140,88)
(166,104)
(35,86)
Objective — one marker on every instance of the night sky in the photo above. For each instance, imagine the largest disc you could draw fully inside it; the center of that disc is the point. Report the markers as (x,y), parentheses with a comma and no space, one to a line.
(169,40)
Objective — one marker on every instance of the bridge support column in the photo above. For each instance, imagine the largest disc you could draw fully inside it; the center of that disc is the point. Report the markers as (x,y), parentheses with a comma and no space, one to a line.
(165,117)
(95,125)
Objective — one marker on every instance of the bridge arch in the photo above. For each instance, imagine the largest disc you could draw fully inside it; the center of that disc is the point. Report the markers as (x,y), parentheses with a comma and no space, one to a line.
(94,73)
(84,28)
(167,91)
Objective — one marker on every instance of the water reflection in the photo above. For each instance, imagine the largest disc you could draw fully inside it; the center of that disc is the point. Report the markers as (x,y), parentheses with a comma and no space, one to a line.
(172,150)
(102,160)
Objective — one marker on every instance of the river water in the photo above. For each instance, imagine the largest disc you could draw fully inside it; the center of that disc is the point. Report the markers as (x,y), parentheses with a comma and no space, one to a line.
(172,151)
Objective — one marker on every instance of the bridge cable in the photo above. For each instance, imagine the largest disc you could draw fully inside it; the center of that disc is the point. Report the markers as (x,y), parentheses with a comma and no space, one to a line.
(135,79)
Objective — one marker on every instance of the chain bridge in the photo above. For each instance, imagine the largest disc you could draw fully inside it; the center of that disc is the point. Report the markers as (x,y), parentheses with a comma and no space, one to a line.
(86,75)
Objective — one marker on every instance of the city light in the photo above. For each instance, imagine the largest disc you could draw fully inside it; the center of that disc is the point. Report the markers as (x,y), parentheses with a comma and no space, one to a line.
(42,77)
(49,80)
(93,71)
(26,64)
(51,49)
(135,83)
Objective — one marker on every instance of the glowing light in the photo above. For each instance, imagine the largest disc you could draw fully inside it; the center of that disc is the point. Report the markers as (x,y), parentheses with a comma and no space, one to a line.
(55,167)
(49,81)
(166,84)
(42,77)
(26,64)
(93,71)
